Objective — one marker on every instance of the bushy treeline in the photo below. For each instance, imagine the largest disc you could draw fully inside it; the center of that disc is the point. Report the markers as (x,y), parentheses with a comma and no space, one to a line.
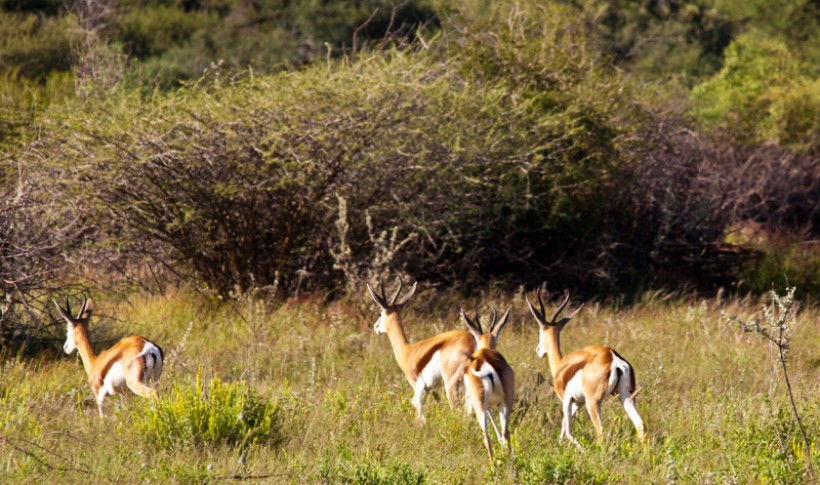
(751,66)
(503,149)
(168,41)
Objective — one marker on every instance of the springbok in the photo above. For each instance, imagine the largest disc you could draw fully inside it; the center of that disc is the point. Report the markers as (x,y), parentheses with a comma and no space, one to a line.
(133,361)
(586,375)
(489,380)
(442,357)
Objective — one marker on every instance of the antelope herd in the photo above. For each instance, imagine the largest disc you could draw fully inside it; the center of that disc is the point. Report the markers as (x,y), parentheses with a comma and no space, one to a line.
(468,357)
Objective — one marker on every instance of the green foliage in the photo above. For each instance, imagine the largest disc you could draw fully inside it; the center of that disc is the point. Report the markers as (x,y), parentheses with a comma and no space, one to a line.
(168,42)
(778,328)
(681,38)
(237,182)
(152,30)
(370,473)
(778,460)
(213,413)
(503,146)
(21,99)
(34,46)
(793,22)
(554,468)
(763,93)
(784,261)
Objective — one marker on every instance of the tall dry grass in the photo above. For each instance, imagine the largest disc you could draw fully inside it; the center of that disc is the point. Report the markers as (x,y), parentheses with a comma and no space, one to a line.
(714,405)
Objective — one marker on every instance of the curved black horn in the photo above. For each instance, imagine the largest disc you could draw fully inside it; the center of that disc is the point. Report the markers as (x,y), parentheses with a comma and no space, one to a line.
(82,308)
(493,320)
(561,306)
(398,290)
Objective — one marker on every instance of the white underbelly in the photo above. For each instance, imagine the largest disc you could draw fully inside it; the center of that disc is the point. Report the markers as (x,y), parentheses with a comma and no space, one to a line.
(431,373)
(115,379)
(575,388)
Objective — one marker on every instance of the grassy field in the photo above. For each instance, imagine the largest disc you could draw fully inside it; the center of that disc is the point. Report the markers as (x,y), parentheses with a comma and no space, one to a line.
(323,400)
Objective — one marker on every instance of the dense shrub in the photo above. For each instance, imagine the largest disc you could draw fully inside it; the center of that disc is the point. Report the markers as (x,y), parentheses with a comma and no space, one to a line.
(35,241)
(500,150)
(213,413)
(496,163)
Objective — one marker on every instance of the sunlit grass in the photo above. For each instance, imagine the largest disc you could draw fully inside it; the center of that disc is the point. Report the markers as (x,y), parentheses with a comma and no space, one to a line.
(714,409)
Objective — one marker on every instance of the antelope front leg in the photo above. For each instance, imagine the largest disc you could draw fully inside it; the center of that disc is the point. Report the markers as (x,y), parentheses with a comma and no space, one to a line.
(100,395)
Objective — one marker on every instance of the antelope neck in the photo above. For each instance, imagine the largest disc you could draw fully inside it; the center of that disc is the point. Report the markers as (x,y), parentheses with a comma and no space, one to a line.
(398,339)
(84,347)
(553,348)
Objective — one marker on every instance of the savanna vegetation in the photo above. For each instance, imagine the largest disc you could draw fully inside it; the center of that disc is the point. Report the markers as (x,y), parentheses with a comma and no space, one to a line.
(224,176)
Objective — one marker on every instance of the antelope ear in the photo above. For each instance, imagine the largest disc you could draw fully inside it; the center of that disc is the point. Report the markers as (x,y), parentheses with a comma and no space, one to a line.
(566,320)
(379,301)
(498,326)
(473,328)
(407,295)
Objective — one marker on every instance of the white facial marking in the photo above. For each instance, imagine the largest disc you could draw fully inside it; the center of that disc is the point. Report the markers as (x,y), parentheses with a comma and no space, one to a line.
(541,350)
(69,346)
(379,327)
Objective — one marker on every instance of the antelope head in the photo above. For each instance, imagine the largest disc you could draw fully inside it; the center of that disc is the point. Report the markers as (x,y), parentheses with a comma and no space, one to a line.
(81,319)
(388,307)
(489,339)
(552,328)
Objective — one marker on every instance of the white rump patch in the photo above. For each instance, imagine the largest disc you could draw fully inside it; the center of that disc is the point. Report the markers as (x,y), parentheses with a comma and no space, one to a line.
(153,362)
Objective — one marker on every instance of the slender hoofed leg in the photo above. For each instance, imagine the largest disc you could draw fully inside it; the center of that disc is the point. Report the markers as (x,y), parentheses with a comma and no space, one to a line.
(567,425)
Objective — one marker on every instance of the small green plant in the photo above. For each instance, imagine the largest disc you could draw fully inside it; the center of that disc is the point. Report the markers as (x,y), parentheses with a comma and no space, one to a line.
(778,328)
(371,473)
(554,468)
(216,413)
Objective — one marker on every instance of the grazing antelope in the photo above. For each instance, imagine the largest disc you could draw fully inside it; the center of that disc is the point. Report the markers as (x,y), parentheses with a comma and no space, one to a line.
(586,375)
(489,380)
(133,361)
(442,357)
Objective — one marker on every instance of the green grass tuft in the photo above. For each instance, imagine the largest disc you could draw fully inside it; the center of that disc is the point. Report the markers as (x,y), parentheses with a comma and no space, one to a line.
(212,414)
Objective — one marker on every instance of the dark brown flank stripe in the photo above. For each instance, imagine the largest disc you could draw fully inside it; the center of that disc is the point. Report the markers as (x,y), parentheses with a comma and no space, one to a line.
(425,359)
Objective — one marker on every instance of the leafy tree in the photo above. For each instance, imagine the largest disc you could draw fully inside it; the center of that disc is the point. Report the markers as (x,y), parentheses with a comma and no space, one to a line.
(683,38)
(762,94)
